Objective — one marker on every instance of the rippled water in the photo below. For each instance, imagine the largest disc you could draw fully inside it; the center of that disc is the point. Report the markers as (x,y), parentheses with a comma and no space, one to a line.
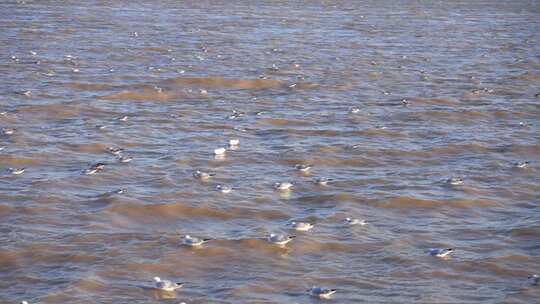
(292,71)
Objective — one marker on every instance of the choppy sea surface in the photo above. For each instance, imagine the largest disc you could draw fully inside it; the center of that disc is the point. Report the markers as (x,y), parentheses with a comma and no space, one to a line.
(387,98)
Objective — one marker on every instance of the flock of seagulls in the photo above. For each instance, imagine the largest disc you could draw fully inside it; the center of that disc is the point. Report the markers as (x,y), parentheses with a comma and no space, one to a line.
(273,238)
(280,240)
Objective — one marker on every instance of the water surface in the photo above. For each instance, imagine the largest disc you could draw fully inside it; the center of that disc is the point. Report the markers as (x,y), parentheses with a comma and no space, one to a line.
(292,71)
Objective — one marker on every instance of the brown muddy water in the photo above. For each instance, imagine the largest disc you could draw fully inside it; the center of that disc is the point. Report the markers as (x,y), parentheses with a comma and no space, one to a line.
(283,78)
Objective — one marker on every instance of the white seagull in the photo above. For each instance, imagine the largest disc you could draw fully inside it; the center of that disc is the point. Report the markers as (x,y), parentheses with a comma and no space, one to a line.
(521,165)
(301,226)
(17,171)
(8,131)
(166,285)
(124,159)
(440,252)
(319,292)
(322,181)
(234,142)
(94,169)
(283,186)
(115,151)
(202,175)
(455,181)
(303,168)
(220,151)
(192,241)
(224,189)
(351,222)
(280,239)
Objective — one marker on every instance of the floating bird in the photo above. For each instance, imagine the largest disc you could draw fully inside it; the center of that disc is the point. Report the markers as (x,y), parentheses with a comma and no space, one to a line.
(283,186)
(24,302)
(454,181)
(124,159)
(166,285)
(90,171)
(94,169)
(27,93)
(351,222)
(302,167)
(534,279)
(220,151)
(123,118)
(323,293)
(440,253)
(223,189)
(322,181)
(521,165)
(279,239)
(202,175)
(8,131)
(115,151)
(235,115)
(101,127)
(234,142)
(355,110)
(191,241)
(17,171)
(301,226)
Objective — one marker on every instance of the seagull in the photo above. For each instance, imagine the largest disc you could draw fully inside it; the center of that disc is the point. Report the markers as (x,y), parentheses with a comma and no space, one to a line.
(351,222)
(454,181)
(534,279)
(101,127)
(24,302)
(191,241)
(234,142)
(124,159)
(115,151)
(202,175)
(355,110)
(283,186)
(123,118)
(166,285)
(323,293)
(322,181)
(94,169)
(301,226)
(235,115)
(220,151)
(302,167)
(8,131)
(16,171)
(279,239)
(521,165)
(440,253)
(224,189)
